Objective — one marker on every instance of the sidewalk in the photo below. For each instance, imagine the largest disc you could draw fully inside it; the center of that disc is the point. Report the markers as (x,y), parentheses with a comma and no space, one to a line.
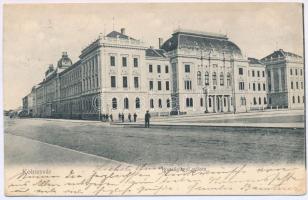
(234,125)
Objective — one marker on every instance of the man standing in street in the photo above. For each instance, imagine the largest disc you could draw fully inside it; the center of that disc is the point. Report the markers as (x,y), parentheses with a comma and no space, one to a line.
(135,117)
(147,119)
(129,117)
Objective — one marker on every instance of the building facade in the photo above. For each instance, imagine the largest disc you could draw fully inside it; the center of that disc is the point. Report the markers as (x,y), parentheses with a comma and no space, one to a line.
(285,80)
(257,85)
(191,72)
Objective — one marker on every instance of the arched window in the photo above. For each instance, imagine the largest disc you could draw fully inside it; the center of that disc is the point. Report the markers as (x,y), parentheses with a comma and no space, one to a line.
(260,101)
(228,79)
(298,99)
(254,101)
(191,102)
(221,77)
(168,103)
(137,103)
(206,78)
(265,100)
(187,102)
(151,103)
(293,99)
(214,78)
(199,78)
(160,103)
(126,104)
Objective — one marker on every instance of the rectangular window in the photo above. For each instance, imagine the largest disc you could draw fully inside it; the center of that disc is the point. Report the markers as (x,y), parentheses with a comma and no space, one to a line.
(136,82)
(254,87)
(158,69)
(187,85)
(187,68)
(241,86)
(151,85)
(113,82)
(135,62)
(124,61)
(258,73)
(112,61)
(296,72)
(253,73)
(166,69)
(159,85)
(167,85)
(259,87)
(296,85)
(150,68)
(291,72)
(240,71)
(302,85)
(263,74)
(291,85)
(124,81)
(263,86)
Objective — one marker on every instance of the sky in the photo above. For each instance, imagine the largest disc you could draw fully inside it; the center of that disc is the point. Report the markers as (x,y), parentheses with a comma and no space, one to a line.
(35,36)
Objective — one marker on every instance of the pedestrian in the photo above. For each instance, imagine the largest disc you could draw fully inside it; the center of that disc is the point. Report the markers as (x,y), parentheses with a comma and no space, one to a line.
(129,117)
(103,117)
(107,117)
(122,117)
(147,119)
(111,118)
(135,117)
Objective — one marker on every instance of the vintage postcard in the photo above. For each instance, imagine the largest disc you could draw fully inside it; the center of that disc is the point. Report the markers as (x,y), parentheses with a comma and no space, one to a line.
(154,99)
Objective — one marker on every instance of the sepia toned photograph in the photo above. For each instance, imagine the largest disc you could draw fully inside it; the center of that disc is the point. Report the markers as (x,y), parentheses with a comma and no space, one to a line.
(129,99)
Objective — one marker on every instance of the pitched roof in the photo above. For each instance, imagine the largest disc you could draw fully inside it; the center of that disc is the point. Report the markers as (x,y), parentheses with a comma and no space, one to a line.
(200,40)
(115,34)
(280,54)
(254,61)
(151,52)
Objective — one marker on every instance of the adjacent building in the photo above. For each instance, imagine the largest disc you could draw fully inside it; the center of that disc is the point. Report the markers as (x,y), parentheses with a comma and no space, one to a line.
(285,80)
(191,72)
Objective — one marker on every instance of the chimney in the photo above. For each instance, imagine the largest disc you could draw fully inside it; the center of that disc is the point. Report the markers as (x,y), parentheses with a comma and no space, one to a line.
(160,42)
(123,31)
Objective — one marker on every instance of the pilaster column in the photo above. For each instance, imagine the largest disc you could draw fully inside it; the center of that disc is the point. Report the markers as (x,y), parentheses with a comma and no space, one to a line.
(214,103)
(222,103)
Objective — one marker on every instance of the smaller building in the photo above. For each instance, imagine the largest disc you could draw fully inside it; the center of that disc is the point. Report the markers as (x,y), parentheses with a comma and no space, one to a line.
(285,79)
(257,85)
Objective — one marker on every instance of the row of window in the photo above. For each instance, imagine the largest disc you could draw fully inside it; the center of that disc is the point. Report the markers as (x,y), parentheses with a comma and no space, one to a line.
(70,91)
(159,85)
(297,85)
(124,82)
(298,99)
(90,83)
(158,69)
(124,61)
(296,72)
(255,102)
(253,74)
(114,103)
(259,86)
(71,77)
(90,67)
(190,102)
(214,79)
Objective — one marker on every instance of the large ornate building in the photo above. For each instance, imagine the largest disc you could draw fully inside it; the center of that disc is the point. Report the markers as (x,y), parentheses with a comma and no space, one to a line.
(191,72)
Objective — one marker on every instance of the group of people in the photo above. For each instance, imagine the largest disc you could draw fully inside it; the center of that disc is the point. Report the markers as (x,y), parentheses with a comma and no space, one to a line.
(106,117)
(122,117)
